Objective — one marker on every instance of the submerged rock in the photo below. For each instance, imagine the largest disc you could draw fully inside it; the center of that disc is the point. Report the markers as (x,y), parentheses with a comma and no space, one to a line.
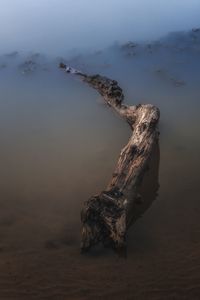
(195,30)
(129,45)
(177,82)
(129,48)
(164,75)
(35,55)
(29,66)
(12,54)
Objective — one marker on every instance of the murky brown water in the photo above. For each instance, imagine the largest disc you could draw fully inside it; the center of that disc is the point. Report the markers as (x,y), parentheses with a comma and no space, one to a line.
(59,145)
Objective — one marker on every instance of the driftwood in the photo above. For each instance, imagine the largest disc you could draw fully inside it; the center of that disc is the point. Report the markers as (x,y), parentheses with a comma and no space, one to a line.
(106,216)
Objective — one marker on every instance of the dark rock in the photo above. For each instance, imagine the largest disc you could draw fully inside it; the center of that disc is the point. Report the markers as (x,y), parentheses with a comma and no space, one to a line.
(12,54)
(195,30)
(29,66)
(129,45)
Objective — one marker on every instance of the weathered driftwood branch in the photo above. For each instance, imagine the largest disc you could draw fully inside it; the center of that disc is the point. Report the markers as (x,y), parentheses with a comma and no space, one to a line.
(105,216)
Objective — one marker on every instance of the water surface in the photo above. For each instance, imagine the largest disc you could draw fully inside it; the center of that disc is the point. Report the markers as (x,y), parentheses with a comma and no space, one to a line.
(59,146)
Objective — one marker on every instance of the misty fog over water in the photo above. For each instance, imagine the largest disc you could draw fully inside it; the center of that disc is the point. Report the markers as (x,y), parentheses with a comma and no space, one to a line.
(55,26)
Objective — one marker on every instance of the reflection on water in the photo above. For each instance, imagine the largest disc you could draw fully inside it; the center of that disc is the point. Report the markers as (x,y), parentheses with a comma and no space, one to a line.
(59,146)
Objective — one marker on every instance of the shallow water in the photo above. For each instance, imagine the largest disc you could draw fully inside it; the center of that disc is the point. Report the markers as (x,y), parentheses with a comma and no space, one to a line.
(59,146)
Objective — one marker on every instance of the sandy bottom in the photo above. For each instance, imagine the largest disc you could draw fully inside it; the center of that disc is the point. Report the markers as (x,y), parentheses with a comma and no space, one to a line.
(40,258)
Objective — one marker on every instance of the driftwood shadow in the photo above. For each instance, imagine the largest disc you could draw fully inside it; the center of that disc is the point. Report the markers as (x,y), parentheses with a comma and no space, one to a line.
(148,189)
